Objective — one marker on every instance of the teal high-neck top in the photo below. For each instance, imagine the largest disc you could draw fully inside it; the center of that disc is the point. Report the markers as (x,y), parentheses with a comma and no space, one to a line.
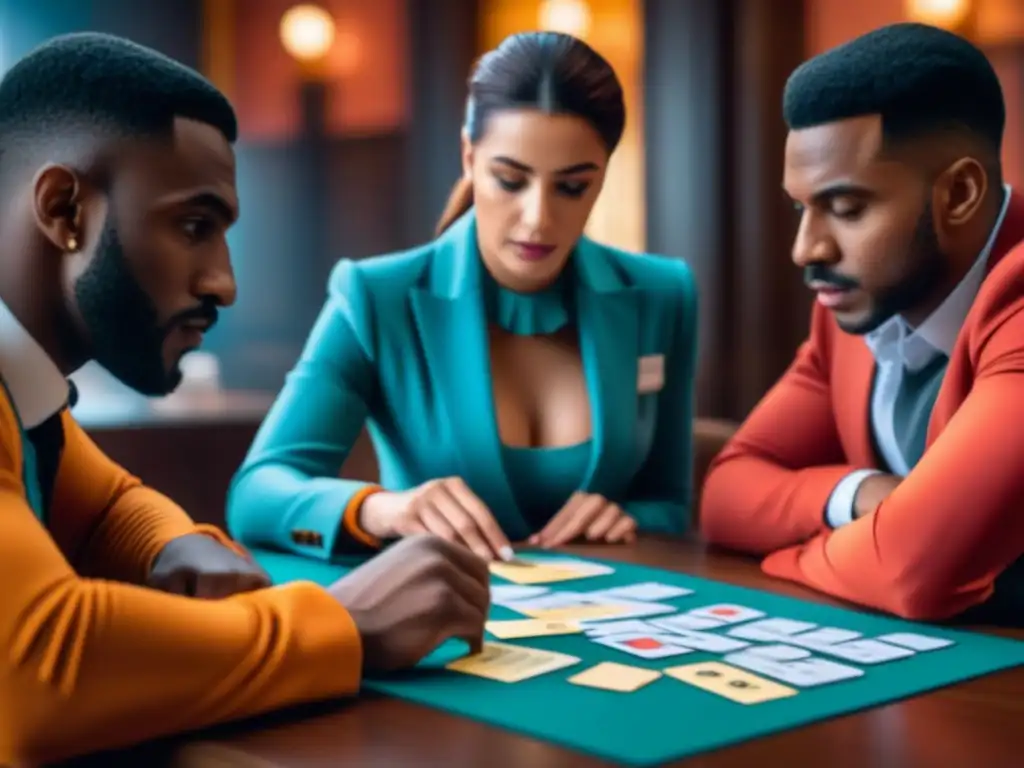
(541,479)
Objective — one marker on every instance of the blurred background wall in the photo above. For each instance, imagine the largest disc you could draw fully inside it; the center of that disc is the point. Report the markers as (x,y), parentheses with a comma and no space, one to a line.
(350,117)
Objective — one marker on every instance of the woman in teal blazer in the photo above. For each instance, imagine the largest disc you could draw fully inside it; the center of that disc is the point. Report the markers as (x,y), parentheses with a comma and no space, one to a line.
(519,381)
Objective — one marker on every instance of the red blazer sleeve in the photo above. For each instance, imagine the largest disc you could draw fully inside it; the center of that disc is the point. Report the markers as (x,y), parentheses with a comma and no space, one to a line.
(935,547)
(769,486)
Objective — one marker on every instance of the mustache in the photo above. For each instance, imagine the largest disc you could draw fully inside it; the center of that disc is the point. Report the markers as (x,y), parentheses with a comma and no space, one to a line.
(819,273)
(207,312)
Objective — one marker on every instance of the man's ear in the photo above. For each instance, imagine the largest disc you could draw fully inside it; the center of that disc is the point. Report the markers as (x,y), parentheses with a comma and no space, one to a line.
(58,206)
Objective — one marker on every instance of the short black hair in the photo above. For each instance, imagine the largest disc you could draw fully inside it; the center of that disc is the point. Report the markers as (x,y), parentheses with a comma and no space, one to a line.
(919,78)
(95,84)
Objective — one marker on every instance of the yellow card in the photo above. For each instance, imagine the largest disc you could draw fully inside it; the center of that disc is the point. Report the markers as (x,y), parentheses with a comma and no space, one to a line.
(516,628)
(511,663)
(574,613)
(531,573)
(610,676)
(732,683)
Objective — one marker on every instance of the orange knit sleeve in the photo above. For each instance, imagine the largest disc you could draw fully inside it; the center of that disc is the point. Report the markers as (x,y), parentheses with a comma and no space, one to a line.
(105,520)
(89,665)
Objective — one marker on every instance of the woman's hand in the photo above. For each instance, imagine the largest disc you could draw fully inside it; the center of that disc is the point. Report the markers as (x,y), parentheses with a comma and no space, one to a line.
(446,508)
(590,516)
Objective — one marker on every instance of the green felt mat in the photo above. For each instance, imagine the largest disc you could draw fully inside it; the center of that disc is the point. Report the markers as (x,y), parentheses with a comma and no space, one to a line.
(669,720)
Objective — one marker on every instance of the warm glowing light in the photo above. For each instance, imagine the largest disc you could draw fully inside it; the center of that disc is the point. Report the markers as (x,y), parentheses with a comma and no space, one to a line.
(947,14)
(569,16)
(307,32)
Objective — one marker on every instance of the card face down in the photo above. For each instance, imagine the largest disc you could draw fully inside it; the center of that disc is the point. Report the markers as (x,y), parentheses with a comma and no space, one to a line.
(610,676)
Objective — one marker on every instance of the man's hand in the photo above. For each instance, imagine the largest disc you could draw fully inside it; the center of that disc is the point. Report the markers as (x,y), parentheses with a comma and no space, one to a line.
(416,594)
(198,566)
(589,516)
(872,492)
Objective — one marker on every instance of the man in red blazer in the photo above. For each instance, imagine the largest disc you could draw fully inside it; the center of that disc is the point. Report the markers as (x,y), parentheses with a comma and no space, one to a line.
(886,467)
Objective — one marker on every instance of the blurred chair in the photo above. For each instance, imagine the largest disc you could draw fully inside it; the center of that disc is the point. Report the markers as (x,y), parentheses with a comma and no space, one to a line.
(709,438)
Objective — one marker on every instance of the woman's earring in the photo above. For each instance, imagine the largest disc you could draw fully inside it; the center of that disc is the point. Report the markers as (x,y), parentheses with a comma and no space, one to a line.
(72,244)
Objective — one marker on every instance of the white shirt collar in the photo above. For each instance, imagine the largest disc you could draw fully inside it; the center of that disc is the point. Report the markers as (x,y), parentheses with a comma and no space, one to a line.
(896,340)
(37,387)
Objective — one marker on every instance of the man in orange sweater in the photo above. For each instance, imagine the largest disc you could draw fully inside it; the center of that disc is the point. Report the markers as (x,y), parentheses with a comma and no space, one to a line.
(884,467)
(117,178)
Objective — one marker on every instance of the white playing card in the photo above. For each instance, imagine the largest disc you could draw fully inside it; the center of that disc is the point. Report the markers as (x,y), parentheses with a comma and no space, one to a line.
(549,601)
(771,630)
(802,673)
(648,590)
(825,636)
(864,651)
(645,646)
(727,613)
(914,641)
(686,621)
(780,652)
(601,628)
(630,609)
(504,593)
(700,641)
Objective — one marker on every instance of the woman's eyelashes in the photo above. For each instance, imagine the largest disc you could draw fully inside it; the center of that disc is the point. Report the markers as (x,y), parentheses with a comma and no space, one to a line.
(568,188)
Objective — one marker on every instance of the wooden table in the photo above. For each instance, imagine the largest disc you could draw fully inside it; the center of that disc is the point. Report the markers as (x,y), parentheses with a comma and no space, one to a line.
(976,723)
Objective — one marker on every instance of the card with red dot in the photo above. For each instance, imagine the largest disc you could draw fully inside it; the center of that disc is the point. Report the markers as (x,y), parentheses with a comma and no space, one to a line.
(644,646)
(726,613)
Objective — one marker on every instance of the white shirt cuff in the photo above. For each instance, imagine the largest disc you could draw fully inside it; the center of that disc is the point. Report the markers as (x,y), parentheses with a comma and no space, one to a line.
(840,508)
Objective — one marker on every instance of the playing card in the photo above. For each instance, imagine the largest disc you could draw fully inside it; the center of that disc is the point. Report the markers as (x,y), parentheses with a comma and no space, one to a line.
(779,652)
(637,609)
(735,684)
(583,566)
(803,673)
(610,676)
(770,630)
(643,646)
(504,593)
(517,628)
(727,613)
(577,613)
(600,628)
(546,602)
(700,641)
(824,636)
(914,641)
(686,621)
(511,663)
(648,590)
(525,572)
(863,651)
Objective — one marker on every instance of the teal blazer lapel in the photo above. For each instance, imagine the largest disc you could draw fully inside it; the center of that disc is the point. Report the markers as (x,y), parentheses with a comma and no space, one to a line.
(609,328)
(449,314)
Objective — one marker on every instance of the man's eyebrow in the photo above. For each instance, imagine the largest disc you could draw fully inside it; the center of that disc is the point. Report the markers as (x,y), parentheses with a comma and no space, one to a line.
(840,189)
(832,191)
(213,202)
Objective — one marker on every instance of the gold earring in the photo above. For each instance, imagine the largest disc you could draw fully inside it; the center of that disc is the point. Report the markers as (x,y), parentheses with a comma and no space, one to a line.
(72,243)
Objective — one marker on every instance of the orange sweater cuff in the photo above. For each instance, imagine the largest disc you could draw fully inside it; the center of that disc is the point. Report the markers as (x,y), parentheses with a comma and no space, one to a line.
(350,520)
(223,539)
